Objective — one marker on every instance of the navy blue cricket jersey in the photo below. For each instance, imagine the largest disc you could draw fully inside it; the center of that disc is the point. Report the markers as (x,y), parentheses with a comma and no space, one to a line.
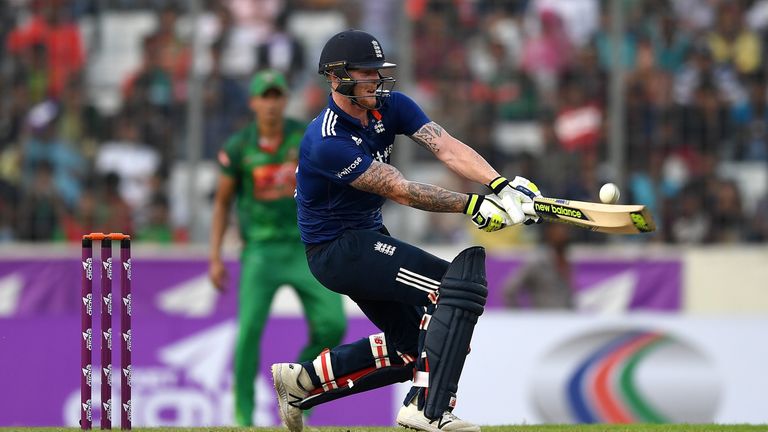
(335,150)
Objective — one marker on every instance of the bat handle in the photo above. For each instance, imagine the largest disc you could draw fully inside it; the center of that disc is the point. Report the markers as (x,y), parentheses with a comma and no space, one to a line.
(528,209)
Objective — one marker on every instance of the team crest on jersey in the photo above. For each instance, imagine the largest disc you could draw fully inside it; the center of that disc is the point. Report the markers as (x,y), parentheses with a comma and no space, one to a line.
(379,127)
(384,248)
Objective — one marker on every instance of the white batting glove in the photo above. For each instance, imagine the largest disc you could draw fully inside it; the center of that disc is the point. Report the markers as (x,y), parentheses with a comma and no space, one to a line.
(513,194)
(487,212)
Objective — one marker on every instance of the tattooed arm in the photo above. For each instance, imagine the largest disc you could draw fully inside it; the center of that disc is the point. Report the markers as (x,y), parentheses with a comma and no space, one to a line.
(385,180)
(459,157)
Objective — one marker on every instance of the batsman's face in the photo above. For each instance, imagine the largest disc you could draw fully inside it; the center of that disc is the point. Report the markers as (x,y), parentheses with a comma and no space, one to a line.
(270,106)
(365,91)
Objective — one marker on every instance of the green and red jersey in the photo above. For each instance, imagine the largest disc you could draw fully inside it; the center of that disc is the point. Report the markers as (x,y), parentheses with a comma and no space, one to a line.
(265,178)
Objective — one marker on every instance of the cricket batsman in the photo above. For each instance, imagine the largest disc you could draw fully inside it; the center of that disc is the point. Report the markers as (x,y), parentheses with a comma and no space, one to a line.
(426,308)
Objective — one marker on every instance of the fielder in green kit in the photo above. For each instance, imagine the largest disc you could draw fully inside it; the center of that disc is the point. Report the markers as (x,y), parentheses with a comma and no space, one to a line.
(258,166)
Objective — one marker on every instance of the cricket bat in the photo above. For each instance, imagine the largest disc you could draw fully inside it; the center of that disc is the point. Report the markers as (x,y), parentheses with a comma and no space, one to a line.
(607,218)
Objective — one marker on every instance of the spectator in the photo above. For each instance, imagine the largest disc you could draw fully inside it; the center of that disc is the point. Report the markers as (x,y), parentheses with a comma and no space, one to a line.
(545,282)
(13,108)
(281,51)
(174,53)
(698,68)
(728,221)
(53,29)
(131,160)
(548,54)
(80,123)
(113,213)
(8,209)
(149,98)
(151,85)
(579,120)
(689,221)
(758,223)
(40,207)
(157,229)
(734,43)
(83,218)
(44,145)
(670,43)
(437,52)
(604,41)
(225,104)
(703,125)
(33,70)
(751,121)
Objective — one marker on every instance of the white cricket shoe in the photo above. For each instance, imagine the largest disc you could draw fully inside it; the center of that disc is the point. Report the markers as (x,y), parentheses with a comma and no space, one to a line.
(409,416)
(289,394)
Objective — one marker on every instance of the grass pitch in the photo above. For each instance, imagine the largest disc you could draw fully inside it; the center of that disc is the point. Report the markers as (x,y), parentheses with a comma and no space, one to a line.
(527,428)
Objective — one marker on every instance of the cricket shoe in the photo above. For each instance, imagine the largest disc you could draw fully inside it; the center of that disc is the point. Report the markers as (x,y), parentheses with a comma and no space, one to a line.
(290,393)
(411,417)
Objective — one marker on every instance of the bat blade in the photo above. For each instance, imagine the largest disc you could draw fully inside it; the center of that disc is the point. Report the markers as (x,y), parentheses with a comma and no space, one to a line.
(606,218)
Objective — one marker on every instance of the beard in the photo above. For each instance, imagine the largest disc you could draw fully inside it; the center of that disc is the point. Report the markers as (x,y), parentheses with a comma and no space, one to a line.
(369,102)
(366,99)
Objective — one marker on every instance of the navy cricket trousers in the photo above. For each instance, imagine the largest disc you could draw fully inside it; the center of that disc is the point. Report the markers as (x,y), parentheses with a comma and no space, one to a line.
(391,281)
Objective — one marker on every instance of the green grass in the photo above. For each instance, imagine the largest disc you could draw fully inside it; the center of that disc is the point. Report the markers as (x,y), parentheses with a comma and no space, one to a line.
(528,428)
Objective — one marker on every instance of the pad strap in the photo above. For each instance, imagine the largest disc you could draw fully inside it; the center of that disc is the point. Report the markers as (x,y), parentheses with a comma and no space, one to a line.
(379,350)
(324,370)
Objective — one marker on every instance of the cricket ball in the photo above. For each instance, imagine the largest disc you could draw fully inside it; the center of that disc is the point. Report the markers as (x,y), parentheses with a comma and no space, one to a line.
(609,193)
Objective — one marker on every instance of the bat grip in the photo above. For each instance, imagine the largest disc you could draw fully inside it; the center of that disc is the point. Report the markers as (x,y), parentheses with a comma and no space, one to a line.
(528,209)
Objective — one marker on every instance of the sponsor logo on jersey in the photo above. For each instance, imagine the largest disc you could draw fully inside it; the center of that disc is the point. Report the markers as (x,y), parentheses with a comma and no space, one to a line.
(384,157)
(350,168)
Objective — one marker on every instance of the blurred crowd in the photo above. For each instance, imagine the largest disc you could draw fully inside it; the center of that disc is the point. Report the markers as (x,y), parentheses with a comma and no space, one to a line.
(89,141)
(528,83)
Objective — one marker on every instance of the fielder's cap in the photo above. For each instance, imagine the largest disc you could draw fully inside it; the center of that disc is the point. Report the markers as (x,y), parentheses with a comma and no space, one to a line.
(267,80)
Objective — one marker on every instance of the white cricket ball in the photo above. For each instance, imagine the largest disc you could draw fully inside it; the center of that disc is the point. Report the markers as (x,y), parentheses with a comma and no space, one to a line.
(609,193)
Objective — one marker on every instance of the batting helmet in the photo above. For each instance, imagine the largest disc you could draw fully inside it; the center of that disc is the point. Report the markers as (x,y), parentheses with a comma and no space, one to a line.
(354,49)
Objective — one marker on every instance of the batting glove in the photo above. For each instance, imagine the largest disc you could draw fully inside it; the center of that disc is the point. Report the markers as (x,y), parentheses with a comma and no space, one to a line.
(513,194)
(487,212)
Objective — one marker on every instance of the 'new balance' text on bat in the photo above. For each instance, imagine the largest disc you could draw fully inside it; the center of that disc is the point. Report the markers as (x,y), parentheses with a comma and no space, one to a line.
(607,218)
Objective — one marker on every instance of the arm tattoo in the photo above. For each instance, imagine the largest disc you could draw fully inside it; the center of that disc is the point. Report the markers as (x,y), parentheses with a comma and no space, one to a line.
(427,136)
(379,178)
(434,198)
(385,180)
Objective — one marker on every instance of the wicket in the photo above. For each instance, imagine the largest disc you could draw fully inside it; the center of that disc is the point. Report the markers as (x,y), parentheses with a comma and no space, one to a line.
(86,343)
